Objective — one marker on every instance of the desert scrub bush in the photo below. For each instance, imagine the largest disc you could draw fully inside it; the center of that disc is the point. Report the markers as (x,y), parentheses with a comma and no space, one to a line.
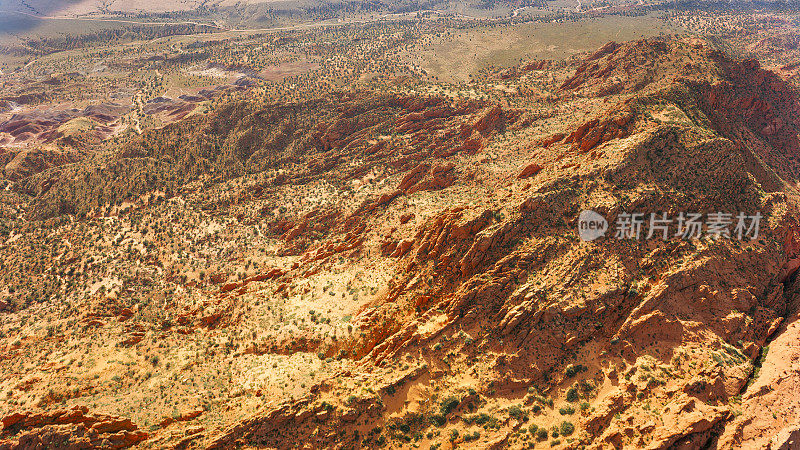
(453,435)
(530,398)
(485,420)
(541,434)
(437,420)
(566,428)
(516,412)
(474,436)
(448,404)
(572,394)
(566,410)
(587,387)
(572,370)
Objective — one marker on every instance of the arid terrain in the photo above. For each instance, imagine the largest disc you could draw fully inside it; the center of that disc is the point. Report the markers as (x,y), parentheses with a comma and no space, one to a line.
(289,224)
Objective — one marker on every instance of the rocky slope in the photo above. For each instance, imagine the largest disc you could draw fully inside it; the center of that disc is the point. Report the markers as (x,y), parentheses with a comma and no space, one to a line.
(418,254)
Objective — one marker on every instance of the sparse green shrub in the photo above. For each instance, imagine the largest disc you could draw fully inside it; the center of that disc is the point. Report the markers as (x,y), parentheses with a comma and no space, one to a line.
(572,370)
(474,436)
(572,394)
(541,434)
(448,405)
(438,420)
(453,435)
(485,420)
(516,412)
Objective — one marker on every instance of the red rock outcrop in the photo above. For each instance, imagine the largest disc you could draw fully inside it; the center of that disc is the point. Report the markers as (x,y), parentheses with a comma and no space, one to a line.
(599,131)
(68,428)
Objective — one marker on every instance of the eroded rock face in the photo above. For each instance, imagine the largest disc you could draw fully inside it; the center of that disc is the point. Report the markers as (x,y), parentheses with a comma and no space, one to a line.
(309,140)
(769,414)
(68,428)
(678,337)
